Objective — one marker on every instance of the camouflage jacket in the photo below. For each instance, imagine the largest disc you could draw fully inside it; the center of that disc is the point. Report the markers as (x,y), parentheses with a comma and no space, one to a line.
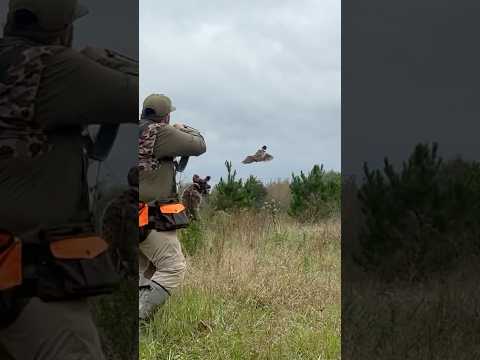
(21,67)
(149,131)
(159,145)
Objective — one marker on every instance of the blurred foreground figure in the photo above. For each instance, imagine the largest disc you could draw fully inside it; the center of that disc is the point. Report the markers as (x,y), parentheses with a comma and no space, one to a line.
(51,259)
(119,227)
(161,214)
(260,156)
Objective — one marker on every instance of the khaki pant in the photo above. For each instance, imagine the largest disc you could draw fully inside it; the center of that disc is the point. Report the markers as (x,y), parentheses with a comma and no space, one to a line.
(53,331)
(162,251)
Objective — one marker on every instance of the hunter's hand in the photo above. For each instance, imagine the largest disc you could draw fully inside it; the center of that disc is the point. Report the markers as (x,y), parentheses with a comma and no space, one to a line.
(179,126)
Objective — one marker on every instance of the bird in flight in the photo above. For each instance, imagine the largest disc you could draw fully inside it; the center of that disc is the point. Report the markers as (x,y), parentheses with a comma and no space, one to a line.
(260,156)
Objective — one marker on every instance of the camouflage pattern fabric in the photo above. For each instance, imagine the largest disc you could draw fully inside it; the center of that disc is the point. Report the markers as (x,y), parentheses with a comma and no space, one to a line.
(146,147)
(192,199)
(20,76)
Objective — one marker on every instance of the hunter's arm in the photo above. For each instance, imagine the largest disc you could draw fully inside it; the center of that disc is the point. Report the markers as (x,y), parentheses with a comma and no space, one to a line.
(172,142)
(79,91)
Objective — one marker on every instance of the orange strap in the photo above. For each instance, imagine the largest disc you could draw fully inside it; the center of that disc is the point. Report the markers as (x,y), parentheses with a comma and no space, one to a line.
(11,266)
(172,208)
(142,215)
(6,239)
(81,247)
(164,209)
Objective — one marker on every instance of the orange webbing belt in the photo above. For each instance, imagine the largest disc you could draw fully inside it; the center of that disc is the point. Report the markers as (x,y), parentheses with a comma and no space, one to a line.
(72,247)
(10,261)
(78,247)
(172,208)
(142,214)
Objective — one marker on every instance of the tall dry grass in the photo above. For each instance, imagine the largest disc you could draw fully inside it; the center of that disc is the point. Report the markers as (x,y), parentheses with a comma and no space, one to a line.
(260,287)
(252,255)
(438,318)
(279,191)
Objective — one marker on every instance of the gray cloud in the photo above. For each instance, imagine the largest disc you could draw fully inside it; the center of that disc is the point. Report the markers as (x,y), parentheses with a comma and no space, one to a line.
(410,76)
(247,74)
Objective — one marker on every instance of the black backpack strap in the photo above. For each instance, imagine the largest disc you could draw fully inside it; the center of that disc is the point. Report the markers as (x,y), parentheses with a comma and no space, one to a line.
(101,147)
(182,164)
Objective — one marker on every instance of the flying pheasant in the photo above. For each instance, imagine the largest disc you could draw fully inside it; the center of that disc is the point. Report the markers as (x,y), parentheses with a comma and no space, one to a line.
(260,156)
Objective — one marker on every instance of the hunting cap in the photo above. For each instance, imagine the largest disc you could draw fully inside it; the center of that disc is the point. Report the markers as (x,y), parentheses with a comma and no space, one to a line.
(160,104)
(52,15)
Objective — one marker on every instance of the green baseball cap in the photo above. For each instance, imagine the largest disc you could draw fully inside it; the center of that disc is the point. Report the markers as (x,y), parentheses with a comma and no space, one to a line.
(52,15)
(159,103)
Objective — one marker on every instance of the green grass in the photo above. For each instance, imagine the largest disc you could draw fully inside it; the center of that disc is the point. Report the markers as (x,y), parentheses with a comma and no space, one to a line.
(201,326)
(253,290)
(116,316)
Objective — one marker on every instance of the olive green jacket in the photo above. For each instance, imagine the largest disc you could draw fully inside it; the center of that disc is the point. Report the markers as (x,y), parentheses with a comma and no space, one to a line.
(170,143)
(73,91)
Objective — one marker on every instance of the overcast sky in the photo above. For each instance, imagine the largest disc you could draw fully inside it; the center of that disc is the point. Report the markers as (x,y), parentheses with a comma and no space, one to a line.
(248,74)
(410,74)
(265,72)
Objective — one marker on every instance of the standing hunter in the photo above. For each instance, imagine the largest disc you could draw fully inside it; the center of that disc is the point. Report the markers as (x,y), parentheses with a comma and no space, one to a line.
(161,262)
(51,258)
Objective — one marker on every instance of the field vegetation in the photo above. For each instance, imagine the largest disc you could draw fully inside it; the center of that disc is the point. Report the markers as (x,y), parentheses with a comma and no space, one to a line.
(263,279)
(410,263)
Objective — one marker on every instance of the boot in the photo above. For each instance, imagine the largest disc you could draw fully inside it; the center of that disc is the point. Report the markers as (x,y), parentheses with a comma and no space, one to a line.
(151,295)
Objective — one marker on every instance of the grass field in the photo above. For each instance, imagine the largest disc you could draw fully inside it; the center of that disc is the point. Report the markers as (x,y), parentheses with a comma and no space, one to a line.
(437,319)
(257,287)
